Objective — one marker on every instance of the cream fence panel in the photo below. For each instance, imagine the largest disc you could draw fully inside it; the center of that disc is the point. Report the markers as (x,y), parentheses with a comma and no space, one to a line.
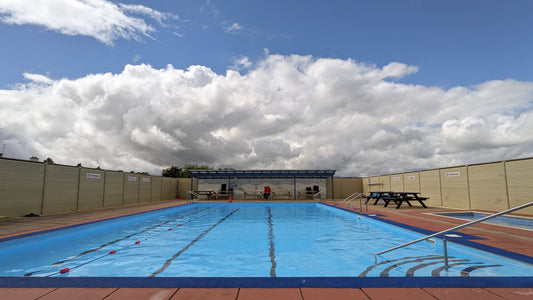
(520,183)
(396,183)
(488,187)
(131,188)
(91,190)
(60,189)
(411,182)
(385,183)
(21,188)
(156,188)
(145,189)
(454,185)
(114,189)
(430,187)
(165,189)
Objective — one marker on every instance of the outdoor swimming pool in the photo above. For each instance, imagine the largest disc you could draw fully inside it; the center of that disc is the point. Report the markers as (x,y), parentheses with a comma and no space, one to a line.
(243,240)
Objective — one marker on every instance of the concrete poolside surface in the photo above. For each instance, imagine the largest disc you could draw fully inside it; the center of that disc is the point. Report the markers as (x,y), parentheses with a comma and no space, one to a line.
(515,240)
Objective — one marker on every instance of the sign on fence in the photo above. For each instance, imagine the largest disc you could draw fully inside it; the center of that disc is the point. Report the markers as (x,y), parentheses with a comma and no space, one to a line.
(452,174)
(93,175)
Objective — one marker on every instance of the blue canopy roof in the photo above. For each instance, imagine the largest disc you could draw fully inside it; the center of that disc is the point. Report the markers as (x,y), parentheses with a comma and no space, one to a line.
(262,173)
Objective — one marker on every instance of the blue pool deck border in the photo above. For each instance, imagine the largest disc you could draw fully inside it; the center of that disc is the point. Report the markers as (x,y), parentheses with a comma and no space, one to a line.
(277,282)
(266,282)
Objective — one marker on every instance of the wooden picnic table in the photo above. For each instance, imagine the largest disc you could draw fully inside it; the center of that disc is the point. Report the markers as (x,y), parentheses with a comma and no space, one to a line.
(377,196)
(401,197)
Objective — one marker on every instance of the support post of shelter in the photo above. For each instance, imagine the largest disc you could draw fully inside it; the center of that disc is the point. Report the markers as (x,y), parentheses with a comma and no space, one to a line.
(192,186)
(294,194)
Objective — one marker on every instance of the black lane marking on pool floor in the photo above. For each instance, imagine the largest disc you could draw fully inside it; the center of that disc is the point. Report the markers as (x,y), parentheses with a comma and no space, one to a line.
(363,274)
(385,273)
(436,272)
(392,264)
(169,261)
(272,250)
(466,272)
(411,271)
(109,243)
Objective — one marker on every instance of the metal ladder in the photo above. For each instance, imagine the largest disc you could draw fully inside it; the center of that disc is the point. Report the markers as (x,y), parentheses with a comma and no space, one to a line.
(443,233)
(346,202)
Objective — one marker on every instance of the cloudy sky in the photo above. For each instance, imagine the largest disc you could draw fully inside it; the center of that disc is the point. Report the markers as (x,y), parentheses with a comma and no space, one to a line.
(363,87)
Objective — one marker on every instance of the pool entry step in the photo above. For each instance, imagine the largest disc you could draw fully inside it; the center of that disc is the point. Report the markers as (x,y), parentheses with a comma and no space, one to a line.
(416,263)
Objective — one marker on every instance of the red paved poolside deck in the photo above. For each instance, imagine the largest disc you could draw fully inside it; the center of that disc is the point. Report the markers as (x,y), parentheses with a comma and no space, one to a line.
(515,240)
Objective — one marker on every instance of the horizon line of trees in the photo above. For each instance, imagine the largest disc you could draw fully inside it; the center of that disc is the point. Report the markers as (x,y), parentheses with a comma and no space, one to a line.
(179,172)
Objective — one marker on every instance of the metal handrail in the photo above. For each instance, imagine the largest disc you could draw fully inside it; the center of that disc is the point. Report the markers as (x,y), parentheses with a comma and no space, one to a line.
(195,196)
(349,199)
(315,196)
(361,196)
(452,229)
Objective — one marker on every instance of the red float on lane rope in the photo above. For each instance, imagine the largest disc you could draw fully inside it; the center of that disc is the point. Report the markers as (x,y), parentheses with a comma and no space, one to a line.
(137,242)
(112,252)
(64,270)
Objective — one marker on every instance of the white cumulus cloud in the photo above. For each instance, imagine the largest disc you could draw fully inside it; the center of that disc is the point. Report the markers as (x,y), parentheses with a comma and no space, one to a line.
(293,112)
(101,19)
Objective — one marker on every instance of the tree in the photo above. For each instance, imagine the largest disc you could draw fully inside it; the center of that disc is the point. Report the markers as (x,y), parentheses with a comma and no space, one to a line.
(178,172)
(172,171)
(49,161)
(187,168)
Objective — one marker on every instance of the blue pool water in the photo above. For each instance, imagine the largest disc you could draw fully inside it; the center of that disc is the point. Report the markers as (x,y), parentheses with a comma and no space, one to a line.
(243,240)
(509,221)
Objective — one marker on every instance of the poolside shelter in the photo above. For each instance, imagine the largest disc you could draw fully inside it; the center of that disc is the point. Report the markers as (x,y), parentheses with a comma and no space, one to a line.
(249,184)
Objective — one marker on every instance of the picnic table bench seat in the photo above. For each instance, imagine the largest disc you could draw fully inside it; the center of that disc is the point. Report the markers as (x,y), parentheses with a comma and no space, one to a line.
(397,197)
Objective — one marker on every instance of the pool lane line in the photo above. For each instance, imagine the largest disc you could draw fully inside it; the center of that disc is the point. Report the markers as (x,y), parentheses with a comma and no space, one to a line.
(107,244)
(129,245)
(120,249)
(272,250)
(169,261)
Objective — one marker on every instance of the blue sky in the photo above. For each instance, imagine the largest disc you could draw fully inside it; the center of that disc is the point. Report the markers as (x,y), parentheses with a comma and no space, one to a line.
(465,66)
(451,42)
